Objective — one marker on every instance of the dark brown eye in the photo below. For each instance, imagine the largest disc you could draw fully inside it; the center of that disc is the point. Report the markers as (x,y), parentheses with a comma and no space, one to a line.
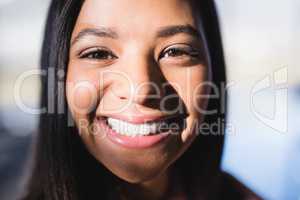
(179,51)
(98,54)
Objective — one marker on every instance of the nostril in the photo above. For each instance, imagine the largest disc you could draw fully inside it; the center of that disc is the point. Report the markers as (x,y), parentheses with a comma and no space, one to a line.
(122,98)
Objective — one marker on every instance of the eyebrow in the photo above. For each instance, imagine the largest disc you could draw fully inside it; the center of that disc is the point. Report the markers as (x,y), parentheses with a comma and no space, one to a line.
(98,32)
(177,29)
(164,32)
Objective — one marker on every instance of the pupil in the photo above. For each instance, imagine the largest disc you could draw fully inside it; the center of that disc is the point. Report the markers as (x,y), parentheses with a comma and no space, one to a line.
(98,55)
(175,52)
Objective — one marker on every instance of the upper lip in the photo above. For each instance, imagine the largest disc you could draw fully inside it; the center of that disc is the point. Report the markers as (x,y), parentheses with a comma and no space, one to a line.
(140,119)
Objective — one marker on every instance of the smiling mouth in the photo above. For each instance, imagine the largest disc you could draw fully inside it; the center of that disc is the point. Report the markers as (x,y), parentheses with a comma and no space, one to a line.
(173,124)
(141,135)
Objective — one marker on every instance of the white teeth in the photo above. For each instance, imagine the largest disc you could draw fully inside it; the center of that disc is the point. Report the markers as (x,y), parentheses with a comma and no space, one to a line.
(129,129)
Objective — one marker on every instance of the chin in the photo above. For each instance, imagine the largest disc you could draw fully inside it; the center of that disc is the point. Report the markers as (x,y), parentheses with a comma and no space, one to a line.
(139,177)
(139,168)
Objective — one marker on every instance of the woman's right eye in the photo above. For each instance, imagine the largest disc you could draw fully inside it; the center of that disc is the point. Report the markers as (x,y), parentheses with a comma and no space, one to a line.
(97,54)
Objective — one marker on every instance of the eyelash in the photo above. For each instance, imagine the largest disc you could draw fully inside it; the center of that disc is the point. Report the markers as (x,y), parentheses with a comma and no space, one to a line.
(102,54)
(98,54)
(179,52)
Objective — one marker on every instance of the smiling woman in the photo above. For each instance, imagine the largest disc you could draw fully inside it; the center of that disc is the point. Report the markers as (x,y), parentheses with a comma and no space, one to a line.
(139,79)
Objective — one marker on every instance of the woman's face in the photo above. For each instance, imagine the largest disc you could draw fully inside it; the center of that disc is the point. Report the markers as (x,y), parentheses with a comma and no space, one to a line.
(134,83)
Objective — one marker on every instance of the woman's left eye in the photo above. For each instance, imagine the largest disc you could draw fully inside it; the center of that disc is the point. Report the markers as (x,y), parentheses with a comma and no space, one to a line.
(98,54)
(179,52)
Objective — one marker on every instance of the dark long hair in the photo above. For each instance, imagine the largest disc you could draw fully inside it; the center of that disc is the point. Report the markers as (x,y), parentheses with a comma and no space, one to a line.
(62,168)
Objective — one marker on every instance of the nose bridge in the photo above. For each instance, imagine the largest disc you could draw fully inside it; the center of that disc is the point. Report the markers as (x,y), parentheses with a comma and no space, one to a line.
(144,79)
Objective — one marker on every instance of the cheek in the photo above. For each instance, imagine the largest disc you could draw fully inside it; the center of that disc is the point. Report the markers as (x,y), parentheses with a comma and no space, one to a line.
(191,85)
(81,92)
(82,97)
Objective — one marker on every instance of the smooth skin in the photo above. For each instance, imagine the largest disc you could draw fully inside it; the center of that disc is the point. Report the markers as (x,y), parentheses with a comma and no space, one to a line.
(118,45)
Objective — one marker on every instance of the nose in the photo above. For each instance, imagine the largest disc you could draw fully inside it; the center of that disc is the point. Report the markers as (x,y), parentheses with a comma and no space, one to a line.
(141,82)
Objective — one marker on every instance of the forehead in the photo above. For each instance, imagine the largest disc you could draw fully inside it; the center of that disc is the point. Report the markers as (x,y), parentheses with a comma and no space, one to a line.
(137,15)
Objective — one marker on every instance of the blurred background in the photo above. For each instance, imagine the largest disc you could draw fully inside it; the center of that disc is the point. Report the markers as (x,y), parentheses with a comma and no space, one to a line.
(262,45)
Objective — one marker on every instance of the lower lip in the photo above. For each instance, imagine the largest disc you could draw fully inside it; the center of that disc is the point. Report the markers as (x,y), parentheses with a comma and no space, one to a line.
(137,142)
